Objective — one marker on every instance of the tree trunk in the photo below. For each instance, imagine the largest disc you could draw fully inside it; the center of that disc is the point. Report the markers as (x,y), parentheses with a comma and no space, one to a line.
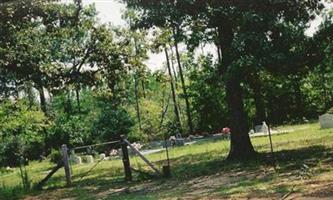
(143,88)
(30,94)
(188,109)
(164,109)
(16,90)
(68,104)
(219,56)
(77,93)
(42,98)
(173,68)
(240,144)
(174,98)
(137,100)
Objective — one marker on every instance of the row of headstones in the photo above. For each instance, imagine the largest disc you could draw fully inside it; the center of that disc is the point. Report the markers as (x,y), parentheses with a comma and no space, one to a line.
(74,159)
(325,121)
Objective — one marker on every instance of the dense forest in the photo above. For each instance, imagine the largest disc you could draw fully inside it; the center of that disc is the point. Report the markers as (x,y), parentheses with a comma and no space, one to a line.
(67,78)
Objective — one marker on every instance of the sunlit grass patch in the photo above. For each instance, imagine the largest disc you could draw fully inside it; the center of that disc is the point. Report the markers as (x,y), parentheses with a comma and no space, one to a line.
(302,156)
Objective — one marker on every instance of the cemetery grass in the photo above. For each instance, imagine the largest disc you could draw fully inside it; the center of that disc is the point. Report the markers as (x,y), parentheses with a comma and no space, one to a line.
(304,168)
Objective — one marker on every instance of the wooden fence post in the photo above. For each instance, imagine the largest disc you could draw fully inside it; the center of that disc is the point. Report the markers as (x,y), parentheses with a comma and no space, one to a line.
(126,160)
(142,157)
(53,171)
(66,164)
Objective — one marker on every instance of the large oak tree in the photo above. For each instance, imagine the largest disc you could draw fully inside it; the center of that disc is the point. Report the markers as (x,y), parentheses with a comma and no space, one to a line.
(227,19)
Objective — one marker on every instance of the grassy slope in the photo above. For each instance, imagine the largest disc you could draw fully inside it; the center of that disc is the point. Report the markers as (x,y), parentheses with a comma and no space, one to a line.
(304,167)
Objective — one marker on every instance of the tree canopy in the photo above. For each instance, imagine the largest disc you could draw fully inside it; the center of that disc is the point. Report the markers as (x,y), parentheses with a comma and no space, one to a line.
(67,78)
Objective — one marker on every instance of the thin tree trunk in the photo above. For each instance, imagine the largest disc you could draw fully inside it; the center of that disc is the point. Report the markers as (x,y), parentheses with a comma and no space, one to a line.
(164,109)
(78,101)
(136,92)
(42,98)
(240,143)
(30,94)
(219,53)
(16,90)
(143,88)
(188,109)
(174,98)
(68,107)
(173,68)
(137,100)
(219,56)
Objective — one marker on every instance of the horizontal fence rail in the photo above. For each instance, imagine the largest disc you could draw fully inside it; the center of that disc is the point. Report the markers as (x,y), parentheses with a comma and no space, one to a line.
(95,145)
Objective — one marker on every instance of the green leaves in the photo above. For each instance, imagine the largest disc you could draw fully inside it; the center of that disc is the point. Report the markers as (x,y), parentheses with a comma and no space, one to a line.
(111,123)
(21,128)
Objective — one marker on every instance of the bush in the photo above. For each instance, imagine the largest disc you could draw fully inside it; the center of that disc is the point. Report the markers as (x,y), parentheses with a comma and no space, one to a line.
(55,156)
(11,193)
(21,130)
(330,111)
(112,123)
(69,129)
(11,152)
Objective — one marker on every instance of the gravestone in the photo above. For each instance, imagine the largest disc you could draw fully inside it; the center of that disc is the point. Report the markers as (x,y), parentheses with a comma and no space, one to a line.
(88,159)
(326,121)
(263,128)
(114,152)
(166,143)
(102,156)
(76,159)
(179,140)
(258,128)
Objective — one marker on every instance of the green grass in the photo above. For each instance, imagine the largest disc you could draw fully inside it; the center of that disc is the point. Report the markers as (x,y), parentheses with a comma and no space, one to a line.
(202,164)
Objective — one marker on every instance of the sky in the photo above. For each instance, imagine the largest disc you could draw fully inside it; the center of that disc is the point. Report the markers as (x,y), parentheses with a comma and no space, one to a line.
(110,11)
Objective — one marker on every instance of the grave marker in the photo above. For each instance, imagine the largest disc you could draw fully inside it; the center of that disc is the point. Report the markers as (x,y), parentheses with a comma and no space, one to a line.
(326,121)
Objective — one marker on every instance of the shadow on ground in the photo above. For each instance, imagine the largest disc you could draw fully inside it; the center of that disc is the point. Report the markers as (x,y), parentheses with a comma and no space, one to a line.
(203,175)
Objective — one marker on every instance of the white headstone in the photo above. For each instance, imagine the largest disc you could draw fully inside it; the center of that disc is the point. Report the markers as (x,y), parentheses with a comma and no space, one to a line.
(114,152)
(326,121)
(76,159)
(102,156)
(264,128)
(180,142)
(89,159)
(258,128)
(261,128)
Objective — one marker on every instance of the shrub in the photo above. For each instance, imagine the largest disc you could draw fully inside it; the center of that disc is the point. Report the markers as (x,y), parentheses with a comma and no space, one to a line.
(112,123)
(22,130)
(11,152)
(55,156)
